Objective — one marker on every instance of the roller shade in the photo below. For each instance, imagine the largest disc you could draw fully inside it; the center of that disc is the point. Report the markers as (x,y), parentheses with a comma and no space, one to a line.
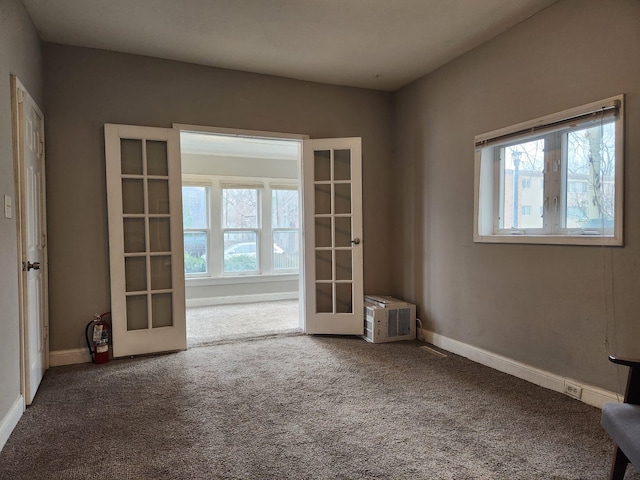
(596,114)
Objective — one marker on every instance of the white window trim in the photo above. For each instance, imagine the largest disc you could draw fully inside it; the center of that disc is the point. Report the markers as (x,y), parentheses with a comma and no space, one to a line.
(215,184)
(485,217)
(197,182)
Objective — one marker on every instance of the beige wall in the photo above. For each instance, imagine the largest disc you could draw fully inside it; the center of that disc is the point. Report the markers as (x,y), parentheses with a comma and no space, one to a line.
(19,55)
(558,308)
(86,88)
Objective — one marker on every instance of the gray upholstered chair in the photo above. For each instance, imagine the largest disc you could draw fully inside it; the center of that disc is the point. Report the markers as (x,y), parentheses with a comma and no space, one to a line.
(622,422)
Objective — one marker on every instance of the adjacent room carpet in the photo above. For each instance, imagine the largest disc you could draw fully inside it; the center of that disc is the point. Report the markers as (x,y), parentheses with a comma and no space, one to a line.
(301,407)
(221,323)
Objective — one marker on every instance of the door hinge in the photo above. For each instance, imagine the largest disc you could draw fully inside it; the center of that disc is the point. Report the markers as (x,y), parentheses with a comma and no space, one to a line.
(41,148)
(20,96)
(45,332)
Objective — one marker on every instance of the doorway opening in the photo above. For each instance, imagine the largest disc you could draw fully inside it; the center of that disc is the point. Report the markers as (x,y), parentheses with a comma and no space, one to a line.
(242,235)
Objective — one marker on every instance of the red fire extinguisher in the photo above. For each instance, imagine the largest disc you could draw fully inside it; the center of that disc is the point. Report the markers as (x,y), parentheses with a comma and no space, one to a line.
(97,335)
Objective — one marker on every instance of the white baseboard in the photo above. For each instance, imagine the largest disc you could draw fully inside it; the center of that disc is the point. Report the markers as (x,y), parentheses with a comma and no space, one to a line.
(69,357)
(262,297)
(10,420)
(591,395)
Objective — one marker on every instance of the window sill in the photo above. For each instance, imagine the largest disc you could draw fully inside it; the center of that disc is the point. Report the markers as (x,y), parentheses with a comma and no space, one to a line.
(240,279)
(580,240)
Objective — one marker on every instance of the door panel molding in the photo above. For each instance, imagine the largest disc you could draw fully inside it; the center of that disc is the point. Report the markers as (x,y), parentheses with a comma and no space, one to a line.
(31,229)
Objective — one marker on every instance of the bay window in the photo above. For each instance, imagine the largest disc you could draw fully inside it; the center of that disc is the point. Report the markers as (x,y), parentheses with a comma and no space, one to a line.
(239,226)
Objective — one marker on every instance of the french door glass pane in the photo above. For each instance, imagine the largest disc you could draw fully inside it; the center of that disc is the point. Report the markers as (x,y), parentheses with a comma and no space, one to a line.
(523,188)
(241,251)
(343,198)
(161,272)
(137,312)
(324,298)
(343,231)
(157,158)
(344,298)
(135,274)
(323,198)
(131,156)
(343,265)
(322,165)
(342,165)
(159,234)
(323,232)
(134,236)
(161,306)
(590,180)
(324,265)
(195,252)
(158,196)
(132,196)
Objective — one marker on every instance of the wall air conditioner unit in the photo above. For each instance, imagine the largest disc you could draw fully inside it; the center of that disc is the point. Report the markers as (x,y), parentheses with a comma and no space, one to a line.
(387,319)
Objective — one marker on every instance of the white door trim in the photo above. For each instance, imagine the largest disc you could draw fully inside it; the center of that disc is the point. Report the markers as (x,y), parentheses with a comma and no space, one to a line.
(238,132)
(270,135)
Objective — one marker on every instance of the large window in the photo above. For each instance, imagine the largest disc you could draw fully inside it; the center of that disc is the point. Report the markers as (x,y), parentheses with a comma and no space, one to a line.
(285,227)
(239,227)
(567,167)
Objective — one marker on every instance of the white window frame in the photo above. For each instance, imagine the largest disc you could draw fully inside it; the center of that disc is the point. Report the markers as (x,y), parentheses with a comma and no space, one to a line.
(487,182)
(274,186)
(244,184)
(207,230)
(264,231)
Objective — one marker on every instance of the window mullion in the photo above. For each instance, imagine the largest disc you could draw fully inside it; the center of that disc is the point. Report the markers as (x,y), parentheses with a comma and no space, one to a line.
(217,238)
(553,180)
(266,236)
(498,179)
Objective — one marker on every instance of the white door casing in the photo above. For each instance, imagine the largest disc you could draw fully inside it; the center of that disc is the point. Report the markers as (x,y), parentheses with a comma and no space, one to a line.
(333,260)
(145,239)
(32,238)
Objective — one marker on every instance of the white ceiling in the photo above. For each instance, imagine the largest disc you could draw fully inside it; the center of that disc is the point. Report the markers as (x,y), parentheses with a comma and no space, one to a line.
(379,44)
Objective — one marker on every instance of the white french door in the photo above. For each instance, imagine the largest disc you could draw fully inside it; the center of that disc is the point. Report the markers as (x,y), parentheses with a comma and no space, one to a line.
(145,239)
(31,210)
(333,270)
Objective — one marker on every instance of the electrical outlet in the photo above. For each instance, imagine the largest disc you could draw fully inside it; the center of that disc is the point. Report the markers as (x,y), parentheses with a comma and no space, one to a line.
(573,390)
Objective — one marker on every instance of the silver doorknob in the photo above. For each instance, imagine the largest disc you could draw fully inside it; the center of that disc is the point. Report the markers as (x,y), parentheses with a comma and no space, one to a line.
(31,266)
(356,241)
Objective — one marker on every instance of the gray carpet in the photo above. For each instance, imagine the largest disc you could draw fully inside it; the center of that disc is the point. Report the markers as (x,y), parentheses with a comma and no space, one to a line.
(299,407)
(221,323)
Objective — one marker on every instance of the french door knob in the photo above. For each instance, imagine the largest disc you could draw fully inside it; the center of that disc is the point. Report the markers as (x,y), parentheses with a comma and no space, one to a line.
(356,241)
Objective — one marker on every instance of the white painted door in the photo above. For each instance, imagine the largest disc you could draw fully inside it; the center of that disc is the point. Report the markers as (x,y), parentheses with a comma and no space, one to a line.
(145,239)
(32,228)
(333,272)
